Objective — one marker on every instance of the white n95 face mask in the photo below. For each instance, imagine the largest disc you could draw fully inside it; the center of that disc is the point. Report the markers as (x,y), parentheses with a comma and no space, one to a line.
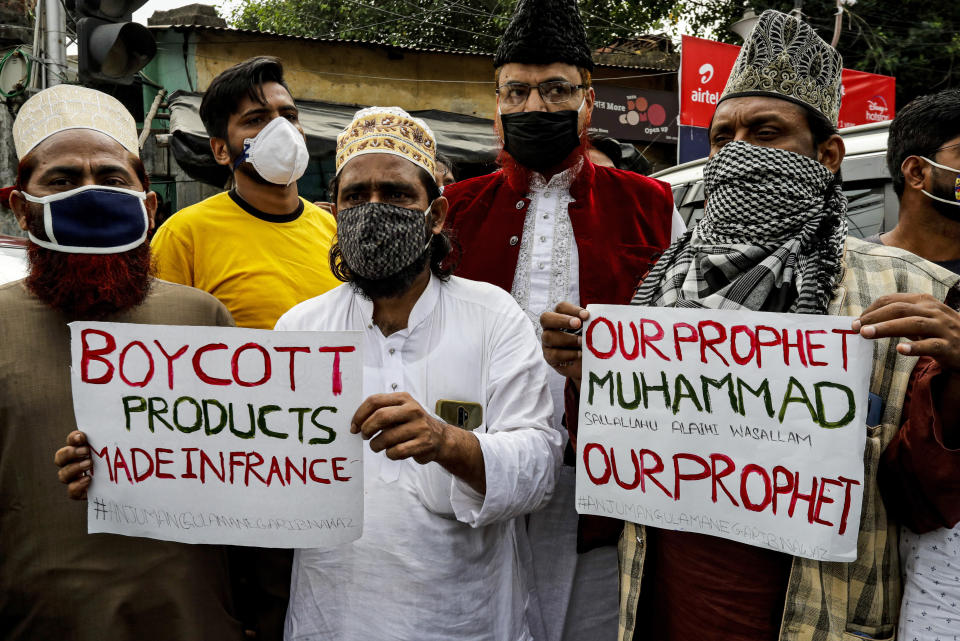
(278,153)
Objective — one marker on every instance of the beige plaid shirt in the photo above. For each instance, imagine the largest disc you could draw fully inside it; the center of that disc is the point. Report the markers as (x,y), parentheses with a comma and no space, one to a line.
(829,601)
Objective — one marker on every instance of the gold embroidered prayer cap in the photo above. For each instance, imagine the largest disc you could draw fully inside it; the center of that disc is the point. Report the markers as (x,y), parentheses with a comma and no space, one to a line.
(784,58)
(388,130)
(72,107)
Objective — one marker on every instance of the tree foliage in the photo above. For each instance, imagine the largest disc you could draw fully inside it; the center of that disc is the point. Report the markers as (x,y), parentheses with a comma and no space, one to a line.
(916,41)
(471,25)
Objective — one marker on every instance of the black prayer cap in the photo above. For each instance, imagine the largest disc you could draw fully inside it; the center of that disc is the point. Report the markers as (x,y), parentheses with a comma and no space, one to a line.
(542,32)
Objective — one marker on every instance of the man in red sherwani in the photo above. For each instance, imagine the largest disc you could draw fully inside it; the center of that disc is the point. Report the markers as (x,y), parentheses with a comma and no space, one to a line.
(550,226)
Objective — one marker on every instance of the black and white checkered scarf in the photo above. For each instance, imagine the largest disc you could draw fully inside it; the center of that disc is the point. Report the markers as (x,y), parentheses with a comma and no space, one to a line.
(771,237)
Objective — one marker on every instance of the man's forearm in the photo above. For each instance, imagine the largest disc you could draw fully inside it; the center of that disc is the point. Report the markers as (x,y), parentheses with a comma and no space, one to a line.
(462,456)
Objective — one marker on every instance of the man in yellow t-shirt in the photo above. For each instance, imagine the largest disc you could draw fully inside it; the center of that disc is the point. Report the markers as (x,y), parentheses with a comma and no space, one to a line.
(259,248)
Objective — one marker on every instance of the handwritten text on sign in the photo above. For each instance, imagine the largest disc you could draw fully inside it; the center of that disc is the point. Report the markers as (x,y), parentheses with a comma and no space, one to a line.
(745,425)
(214,435)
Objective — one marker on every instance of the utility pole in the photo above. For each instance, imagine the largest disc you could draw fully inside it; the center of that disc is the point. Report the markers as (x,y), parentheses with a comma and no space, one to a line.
(55,54)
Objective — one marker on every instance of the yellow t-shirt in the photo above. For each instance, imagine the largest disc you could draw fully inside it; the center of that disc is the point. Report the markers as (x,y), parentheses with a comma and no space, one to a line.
(257,265)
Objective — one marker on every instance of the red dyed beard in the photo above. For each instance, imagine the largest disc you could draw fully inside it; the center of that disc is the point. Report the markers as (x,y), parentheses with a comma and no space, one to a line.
(89,286)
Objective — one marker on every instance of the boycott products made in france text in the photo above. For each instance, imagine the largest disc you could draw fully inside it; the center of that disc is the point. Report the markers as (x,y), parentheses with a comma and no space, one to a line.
(209,434)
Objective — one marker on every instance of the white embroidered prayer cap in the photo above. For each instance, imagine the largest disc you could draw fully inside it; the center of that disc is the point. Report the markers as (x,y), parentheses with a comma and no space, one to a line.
(72,107)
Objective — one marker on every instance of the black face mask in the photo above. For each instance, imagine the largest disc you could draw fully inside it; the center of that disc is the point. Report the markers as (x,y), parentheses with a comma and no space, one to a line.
(540,139)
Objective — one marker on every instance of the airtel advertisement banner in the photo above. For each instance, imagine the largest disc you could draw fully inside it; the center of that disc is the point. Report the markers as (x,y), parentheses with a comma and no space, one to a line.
(705,66)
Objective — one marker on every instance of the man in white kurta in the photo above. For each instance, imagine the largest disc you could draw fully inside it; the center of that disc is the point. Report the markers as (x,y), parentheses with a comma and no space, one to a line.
(437,559)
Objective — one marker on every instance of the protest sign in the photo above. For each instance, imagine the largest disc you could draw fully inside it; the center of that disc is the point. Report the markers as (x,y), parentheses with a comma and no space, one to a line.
(220,435)
(745,425)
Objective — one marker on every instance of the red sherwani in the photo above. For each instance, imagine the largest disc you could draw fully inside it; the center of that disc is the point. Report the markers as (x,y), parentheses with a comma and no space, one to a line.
(621,222)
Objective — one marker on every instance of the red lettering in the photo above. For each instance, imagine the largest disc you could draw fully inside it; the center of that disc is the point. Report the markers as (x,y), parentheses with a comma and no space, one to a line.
(336,379)
(761,343)
(103,455)
(717,479)
(180,352)
(206,462)
(677,338)
(821,499)
(87,354)
(163,461)
(843,342)
(742,329)
(235,365)
(706,343)
(133,460)
(293,352)
(636,342)
(249,467)
(203,376)
(696,476)
(123,358)
(809,498)
(636,471)
(337,468)
(767,490)
(779,488)
(603,478)
(647,340)
(274,470)
(318,479)
(120,463)
(846,501)
(189,474)
(613,338)
(648,472)
(798,345)
(236,460)
(812,346)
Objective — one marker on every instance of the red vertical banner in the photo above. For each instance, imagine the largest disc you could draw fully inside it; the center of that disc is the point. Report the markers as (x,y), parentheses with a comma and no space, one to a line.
(867,97)
(705,66)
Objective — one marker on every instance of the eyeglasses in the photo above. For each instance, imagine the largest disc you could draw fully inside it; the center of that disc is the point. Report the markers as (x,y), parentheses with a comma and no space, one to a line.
(554,92)
(947,147)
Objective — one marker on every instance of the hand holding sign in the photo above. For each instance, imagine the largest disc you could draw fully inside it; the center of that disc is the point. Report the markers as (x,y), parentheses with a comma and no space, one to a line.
(75,464)
(934,329)
(562,340)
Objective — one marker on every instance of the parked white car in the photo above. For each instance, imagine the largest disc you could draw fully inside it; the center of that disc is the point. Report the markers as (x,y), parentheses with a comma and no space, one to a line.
(13,258)
(873,205)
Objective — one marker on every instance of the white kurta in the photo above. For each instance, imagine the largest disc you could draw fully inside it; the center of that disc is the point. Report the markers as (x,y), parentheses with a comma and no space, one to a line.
(577,594)
(436,559)
(931,585)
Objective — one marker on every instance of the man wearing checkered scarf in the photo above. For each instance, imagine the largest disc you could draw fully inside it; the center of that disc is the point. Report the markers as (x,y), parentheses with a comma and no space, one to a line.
(773,238)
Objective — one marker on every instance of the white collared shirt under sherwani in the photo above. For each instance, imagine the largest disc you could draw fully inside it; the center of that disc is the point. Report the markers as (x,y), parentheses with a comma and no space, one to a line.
(577,594)
(437,560)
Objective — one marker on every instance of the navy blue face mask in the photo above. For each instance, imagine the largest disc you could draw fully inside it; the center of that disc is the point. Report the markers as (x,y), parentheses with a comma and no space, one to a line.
(93,219)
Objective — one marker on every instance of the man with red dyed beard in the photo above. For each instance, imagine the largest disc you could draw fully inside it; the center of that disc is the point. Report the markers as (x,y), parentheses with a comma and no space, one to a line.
(552,226)
(82,196)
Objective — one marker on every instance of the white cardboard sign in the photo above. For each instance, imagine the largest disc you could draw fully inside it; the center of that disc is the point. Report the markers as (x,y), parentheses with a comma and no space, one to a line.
(221,435)
(744,425)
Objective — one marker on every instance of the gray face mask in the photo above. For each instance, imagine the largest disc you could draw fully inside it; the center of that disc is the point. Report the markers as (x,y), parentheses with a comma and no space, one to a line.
(377,240)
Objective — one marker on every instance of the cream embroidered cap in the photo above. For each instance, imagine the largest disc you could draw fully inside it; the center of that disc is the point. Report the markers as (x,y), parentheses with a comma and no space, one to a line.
(388,130)
(72,107)
(785,58)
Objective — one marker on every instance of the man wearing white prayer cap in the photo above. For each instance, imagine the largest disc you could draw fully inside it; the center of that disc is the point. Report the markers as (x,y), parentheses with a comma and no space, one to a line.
(83,197)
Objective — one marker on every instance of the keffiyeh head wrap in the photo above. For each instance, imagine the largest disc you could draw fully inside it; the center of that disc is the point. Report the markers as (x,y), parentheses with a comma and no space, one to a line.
(771,238)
